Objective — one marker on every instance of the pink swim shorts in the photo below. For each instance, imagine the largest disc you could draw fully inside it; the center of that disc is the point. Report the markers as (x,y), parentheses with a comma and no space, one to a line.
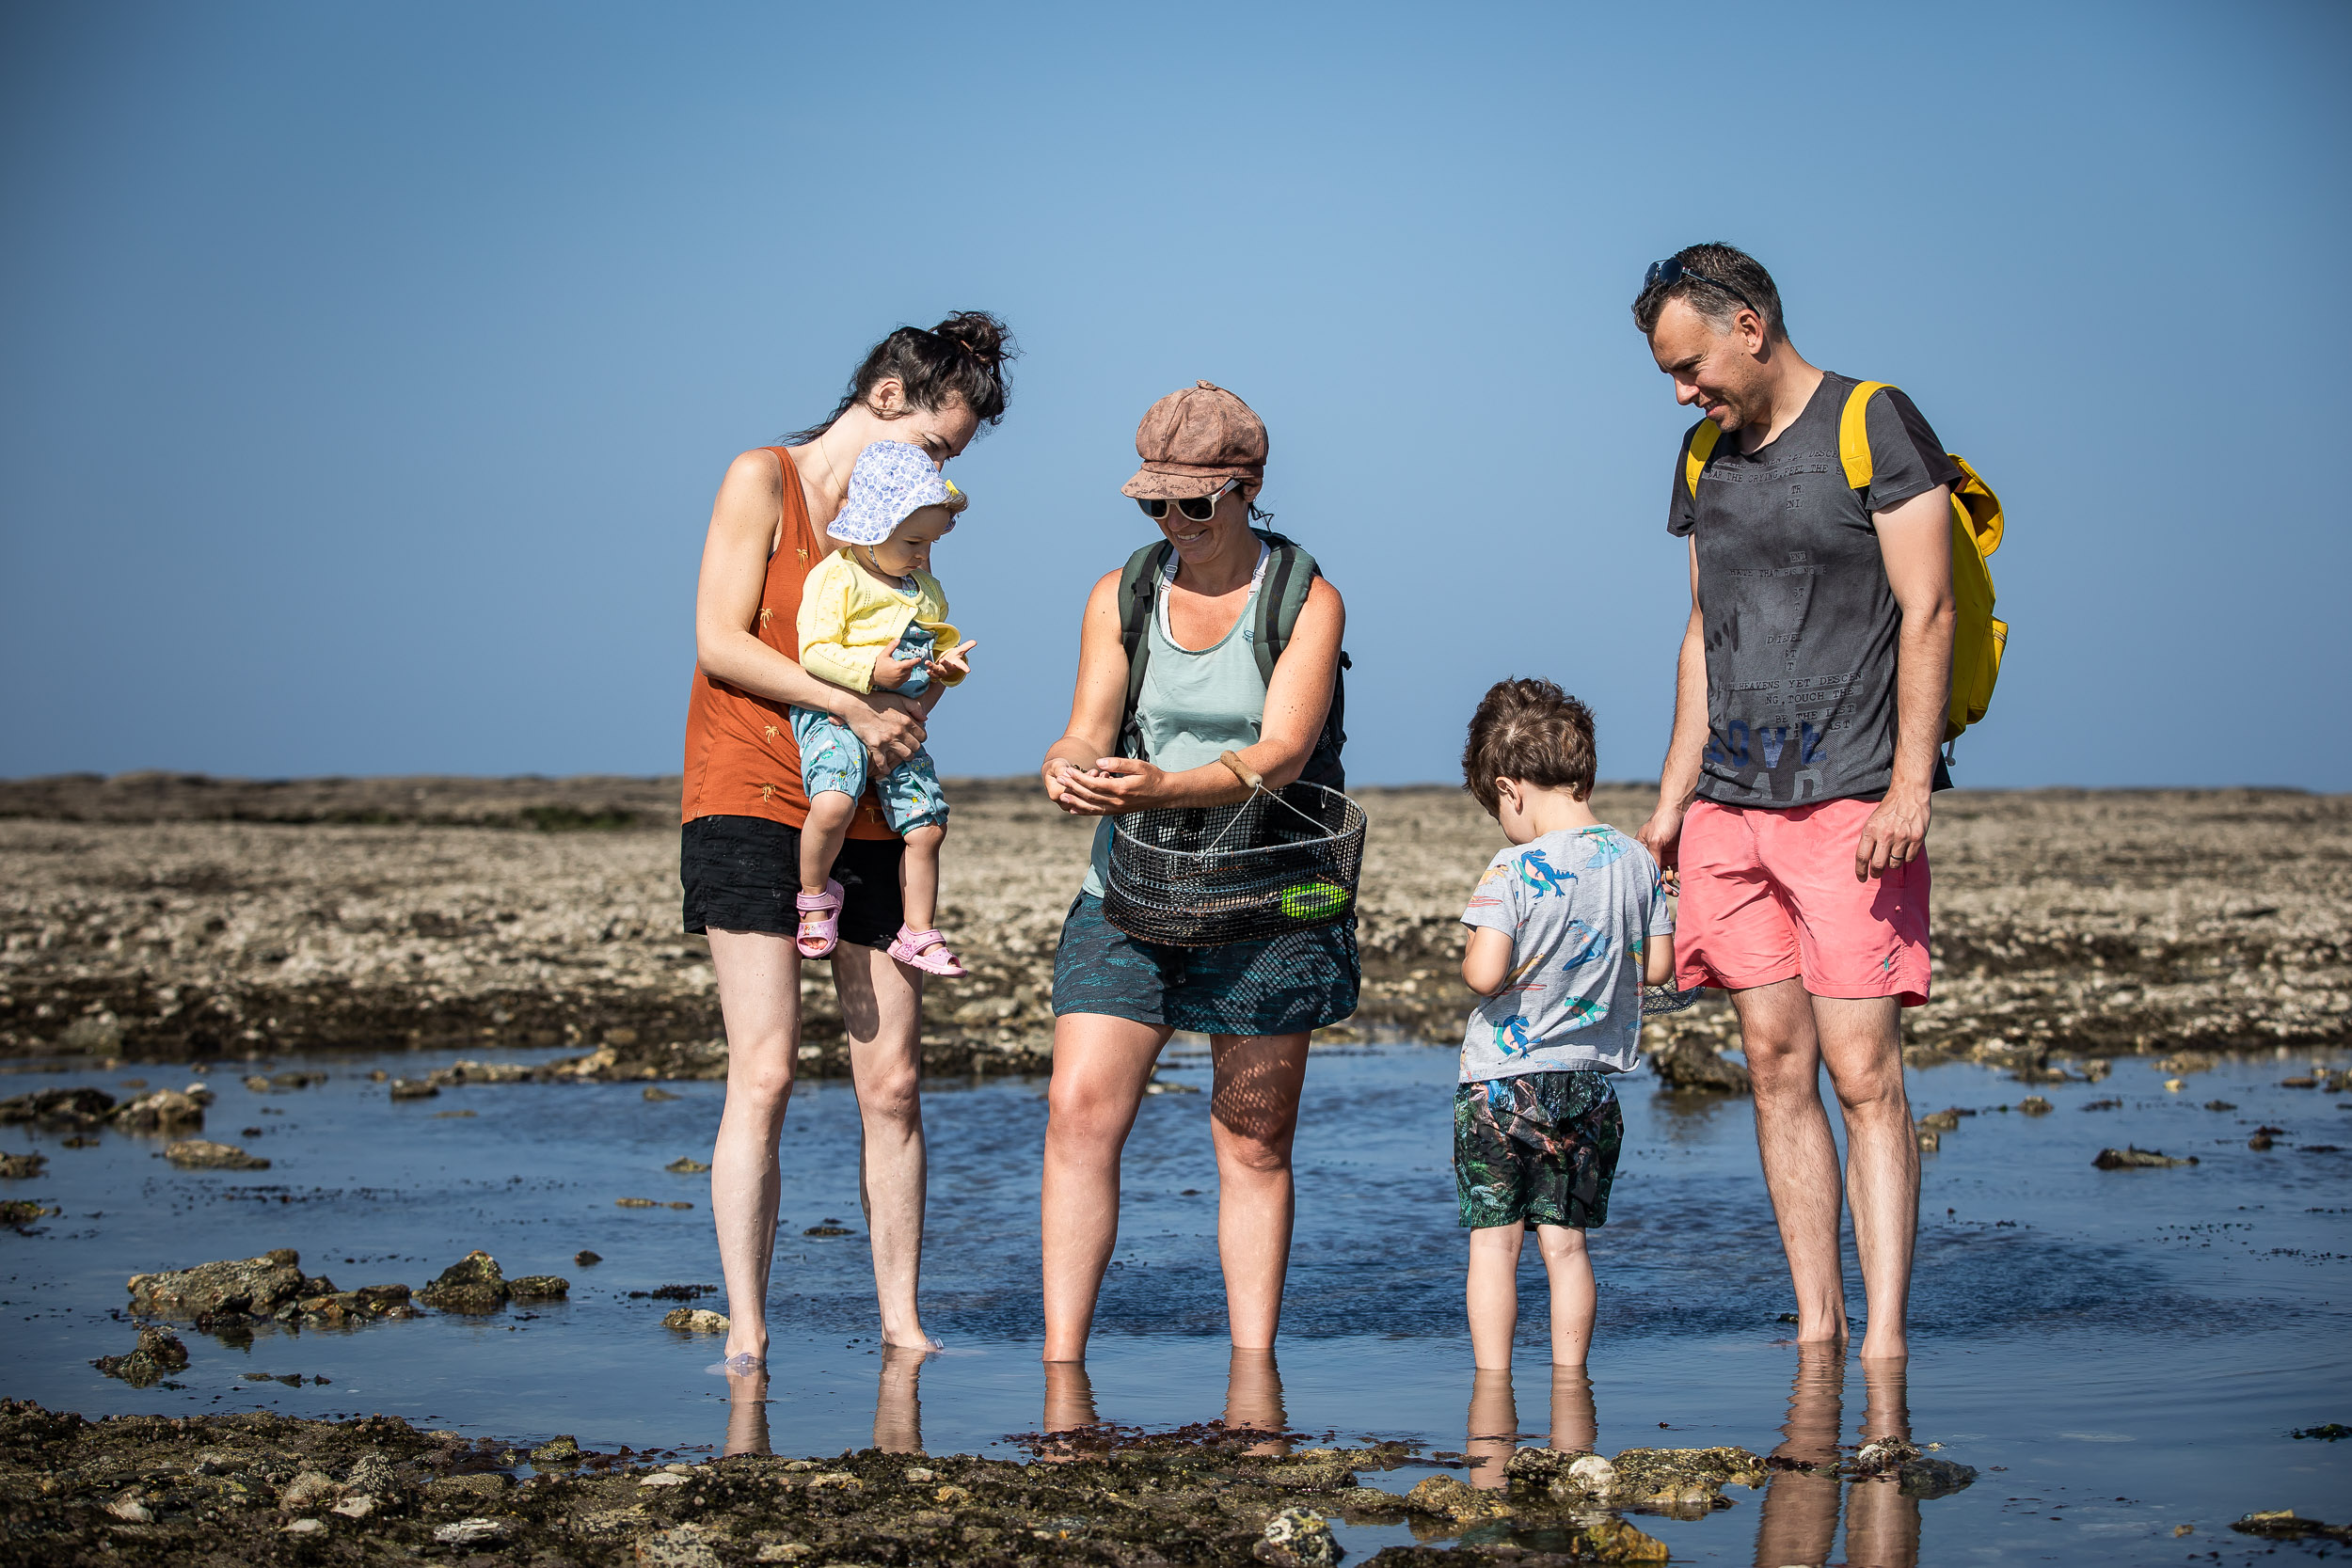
(1767,895)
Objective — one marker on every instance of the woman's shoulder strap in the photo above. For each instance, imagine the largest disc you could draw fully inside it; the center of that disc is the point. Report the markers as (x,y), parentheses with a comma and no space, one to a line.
(1138,587)
(1138,592)
(1290,575)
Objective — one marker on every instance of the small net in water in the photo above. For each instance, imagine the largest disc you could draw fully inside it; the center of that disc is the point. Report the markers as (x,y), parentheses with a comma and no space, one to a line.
(1208,875)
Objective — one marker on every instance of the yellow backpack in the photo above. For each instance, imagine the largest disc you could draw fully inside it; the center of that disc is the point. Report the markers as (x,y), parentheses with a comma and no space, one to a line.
(1977,637)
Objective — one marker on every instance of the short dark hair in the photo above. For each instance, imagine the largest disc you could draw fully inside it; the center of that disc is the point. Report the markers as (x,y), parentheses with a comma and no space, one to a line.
(960,360)
(1528,729)
(1726,264)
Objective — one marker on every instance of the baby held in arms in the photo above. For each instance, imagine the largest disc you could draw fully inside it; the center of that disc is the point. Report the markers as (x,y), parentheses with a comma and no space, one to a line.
(873,618)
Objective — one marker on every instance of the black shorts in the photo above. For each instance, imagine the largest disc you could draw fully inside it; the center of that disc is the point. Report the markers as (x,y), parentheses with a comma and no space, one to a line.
(742,872)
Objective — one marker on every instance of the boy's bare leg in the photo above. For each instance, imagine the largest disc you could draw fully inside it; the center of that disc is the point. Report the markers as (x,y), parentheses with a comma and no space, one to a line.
(1101,1064)
(1493,1428)
(1575,1424)
(882,1010)
(1569,1267)
(1492,1293)
(830,813)
(1799,1158)
(1253,1114)
(918,874)
(1861,1043)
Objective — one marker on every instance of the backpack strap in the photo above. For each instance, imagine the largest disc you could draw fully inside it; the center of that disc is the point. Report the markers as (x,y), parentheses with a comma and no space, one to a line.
(1290,575)
(1853,434)
(1138,598)
(1704,435)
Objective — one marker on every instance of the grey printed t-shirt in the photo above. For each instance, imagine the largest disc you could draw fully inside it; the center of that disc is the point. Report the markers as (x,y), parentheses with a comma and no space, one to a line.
(1580,908)
(1799,622)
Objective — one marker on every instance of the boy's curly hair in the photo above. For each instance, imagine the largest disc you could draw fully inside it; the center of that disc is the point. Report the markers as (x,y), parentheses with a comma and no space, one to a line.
(1528,729)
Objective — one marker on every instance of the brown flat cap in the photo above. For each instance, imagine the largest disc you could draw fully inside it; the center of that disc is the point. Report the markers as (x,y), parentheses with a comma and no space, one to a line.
(1193,442)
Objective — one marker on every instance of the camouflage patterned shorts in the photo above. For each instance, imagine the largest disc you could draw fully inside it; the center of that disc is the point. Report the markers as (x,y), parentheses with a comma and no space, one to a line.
(1540,1147)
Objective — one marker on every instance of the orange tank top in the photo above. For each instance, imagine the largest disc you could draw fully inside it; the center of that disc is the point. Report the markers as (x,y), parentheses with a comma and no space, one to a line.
(740,757)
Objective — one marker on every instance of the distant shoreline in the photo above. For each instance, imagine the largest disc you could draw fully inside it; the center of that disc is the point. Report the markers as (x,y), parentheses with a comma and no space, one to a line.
(176,917)
(611,802)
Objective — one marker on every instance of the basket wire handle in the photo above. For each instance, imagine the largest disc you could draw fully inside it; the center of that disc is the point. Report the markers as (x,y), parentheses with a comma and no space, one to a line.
(1256,781)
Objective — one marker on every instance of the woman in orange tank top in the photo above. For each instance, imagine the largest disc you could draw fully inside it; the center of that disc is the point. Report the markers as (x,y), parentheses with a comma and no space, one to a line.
(743,806)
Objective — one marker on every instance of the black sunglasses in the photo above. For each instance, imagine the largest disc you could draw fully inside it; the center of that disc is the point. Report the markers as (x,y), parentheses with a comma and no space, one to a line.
(1199,508)
(1671,271)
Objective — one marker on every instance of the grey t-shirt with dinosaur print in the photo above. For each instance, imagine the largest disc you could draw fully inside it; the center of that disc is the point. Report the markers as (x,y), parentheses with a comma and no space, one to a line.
(1580,908)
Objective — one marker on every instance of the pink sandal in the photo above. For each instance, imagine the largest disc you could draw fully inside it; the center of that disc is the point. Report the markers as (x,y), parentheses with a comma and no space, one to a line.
(819,940)
(909,946)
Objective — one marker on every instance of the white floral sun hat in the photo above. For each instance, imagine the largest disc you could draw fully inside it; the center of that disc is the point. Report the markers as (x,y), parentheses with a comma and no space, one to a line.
(891,482)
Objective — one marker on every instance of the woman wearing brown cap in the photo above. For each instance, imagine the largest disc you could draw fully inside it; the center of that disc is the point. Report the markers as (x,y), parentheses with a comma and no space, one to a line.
(745,804)
(1117,999)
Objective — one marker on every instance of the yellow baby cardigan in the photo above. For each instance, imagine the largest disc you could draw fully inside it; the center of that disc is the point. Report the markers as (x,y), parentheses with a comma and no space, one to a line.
(848,615)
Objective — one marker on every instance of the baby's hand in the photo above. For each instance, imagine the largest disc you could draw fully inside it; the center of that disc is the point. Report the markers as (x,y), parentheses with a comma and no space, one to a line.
(955,661)
(890,672)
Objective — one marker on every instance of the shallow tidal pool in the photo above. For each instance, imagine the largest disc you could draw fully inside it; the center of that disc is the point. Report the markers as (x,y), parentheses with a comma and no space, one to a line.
(2117,1353)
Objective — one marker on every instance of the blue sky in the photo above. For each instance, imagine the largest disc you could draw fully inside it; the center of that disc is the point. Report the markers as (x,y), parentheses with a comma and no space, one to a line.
(365,371)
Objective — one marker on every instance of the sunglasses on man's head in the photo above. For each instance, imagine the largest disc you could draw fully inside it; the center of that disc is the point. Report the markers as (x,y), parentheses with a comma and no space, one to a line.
(1671,271)
(1199,508)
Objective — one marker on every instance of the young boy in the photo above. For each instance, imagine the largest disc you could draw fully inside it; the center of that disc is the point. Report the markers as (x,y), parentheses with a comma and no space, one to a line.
(1565,928)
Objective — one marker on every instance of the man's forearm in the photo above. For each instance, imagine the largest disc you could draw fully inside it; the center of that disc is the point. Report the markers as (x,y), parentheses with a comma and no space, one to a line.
(1923,689)
(1678,775)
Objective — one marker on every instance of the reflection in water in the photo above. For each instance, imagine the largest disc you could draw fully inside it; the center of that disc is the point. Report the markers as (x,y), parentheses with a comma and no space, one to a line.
(1253,1398)
(747,1412)
(1801,1505)
(1494,1420)
(898,1403)
(1254,1401)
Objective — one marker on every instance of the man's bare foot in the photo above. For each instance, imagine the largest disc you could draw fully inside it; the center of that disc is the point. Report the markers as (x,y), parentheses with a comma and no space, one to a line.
(917,1340)
(1876,1346)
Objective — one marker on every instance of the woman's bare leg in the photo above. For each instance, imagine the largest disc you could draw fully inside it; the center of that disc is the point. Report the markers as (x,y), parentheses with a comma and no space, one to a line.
(899,1400)
(1253,1113)
(1100,1066)
(747,1412)
(881,1007)
(1253,1398)
(759,998)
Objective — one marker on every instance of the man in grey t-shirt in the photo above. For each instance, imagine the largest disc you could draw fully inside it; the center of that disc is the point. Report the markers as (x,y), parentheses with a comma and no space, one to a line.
(1795,795)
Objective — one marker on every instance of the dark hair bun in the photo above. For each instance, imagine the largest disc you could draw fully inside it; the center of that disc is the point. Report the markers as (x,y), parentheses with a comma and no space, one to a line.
(980,334)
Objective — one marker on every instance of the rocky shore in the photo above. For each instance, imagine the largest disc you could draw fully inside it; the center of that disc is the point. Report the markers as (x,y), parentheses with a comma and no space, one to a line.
(176,918)
(260,1487)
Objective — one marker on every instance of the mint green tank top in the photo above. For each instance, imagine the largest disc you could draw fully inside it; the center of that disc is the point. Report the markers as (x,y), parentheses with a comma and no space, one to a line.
(1195,704)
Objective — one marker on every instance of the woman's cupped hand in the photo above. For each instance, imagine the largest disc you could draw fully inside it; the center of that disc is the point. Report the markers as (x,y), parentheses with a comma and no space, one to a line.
(1112,788)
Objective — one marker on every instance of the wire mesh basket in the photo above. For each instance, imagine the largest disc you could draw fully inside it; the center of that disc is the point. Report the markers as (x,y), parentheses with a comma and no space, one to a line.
(1665,999)
(1282,860)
